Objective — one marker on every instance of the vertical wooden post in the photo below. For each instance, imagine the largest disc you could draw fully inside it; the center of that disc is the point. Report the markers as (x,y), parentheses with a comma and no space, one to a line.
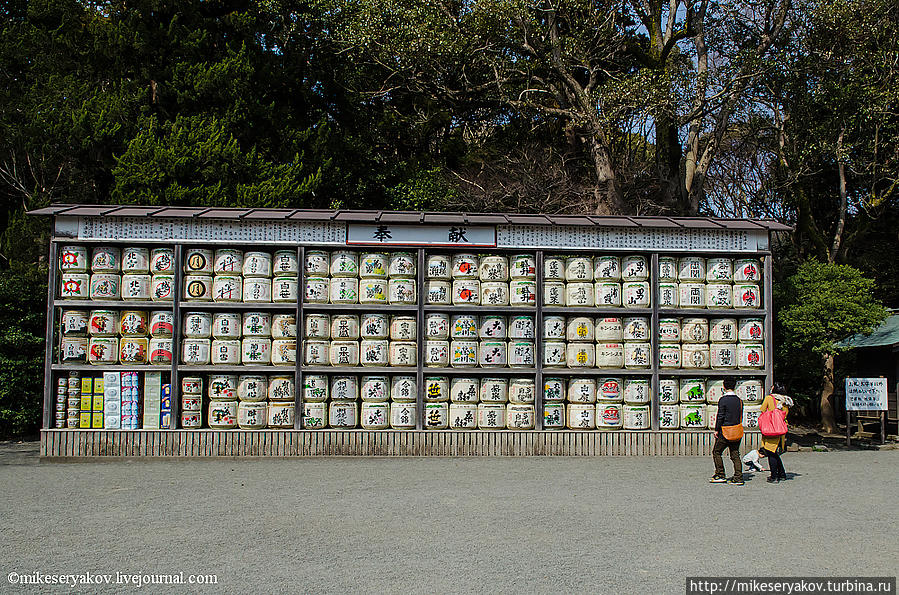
(768,298)
(420,343)
(174,379)
(654,340)
(301,338)
(49,391)
(538,346)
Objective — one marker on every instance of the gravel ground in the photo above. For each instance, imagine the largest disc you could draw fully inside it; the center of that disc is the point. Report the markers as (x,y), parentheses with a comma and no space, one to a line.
(430,525)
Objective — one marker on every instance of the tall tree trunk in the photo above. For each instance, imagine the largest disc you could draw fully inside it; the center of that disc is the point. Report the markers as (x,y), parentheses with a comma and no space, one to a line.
(844,202)
(668,159)
(828,419)
(606,190)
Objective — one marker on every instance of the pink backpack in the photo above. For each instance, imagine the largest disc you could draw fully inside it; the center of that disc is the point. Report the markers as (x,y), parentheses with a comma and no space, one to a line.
(772,423)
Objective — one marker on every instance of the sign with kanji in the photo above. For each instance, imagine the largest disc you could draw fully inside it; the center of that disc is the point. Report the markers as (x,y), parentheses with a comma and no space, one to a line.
(421,235)
(866,394)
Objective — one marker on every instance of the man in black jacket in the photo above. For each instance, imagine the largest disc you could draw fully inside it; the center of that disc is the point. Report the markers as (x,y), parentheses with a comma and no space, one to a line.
(730,413)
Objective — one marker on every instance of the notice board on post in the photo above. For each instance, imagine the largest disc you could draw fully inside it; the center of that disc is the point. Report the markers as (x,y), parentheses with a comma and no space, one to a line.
(866,394)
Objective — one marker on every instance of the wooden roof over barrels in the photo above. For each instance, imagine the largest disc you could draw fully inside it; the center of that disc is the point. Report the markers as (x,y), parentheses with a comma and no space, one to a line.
(408,217)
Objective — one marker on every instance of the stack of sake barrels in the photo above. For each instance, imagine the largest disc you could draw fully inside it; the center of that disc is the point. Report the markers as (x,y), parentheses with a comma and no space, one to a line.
(126,337)
(468,403)
(68,401)
(349,340)
(472,280)
(716,343)
(246,401)
(691,403)
(345,277)
(238,338)
(696,282)
(605,342)
(132,273)
(229,275)
(601,281)
(387,402)
(600,403)
(468,341)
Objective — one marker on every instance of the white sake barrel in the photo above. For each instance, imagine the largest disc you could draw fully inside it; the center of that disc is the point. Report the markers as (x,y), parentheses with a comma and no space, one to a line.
(401,265)
(581,390)
(256,324)
(318,326)
(493,354)
(667,268)
(636,295)
(135,287)
(162,260)
(580,355)
(695,356)
(610,389)
(374,352)
(554,354)
(692,390)
(344,263)
(494,390)
(464,389)
(637,354)
(523,266)
(634,268)
(694,330)
(668,295)
(554,416)
(719,270)
(464,326)
(403,328)
(521,390)
(553,390)
(73,259)
(521,353)
(226,325)
(227,288)
(285,264)
(579,269)
(669,355)
(401,291)
(637,391)
(554,268)
(73,323)
(106,259)
(284,326)
(668,390)
(465,266)
(554,328)
(228,261)
(403,353)
(723,330)
(75,286)
(750,391)
(256,351)
(607,293)
(493,268)
(606,268)
(315,415)
(281,415)
(133,350)
(691,295)
(195,352)
(723,356)
(161,323)
(636,417)
(718,295)
(520,416)
(192,402)
(222,415)
(437,326)
(609,416)
(402,388)
(344,388)
(281,388)
(344,327)
(439,267)
(747,295)
(317,290)
(436,353)
(492,416)
(222,387)
(133,323)
(578,294)
(463,354)
(375,416)
(494,293)
(691,269)
(751,330)
(343,290)
(343,414)
(581,416)
(751,415)
(438,292)
(669,330)
(315,388)
(492,327)
(160,351)
(191,419)
(373,265)
(436,416)
(374,326)
(609,330)
(609,355)
(437,389)
(463,416)
(747,269)
(636,328)
(317,263)
(257,264)
(284,352)
(692,416)
(714,390)
(669,417)
(580,328)
(553,293)
(403,415)
(750,356)
(103,323)
(711,416)
(284,289)
(104,286)
(315,352)
(467,292)
(344,353)
(251,387)
(198,288)
(225,352)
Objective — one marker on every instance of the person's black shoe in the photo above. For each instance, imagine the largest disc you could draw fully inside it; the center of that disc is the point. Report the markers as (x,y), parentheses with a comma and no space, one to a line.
(735,481)
(718,479)
(772,479)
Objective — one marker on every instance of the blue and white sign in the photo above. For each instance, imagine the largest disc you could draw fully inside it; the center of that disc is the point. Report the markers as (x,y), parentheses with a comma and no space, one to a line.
(866,394)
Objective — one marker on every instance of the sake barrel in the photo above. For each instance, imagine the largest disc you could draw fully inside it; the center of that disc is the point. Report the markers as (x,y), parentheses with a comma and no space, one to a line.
(257,264)
(318,326)
(606,268)
(223,387)
(746,295)
(227,288)
(284,290)
(191,385)
(436,353)
(439,267)
(718,295)
(492,354)
(314,415)
(711,416)
(554,328)
(222,415)
(466,291)
(317,263)
(723,356)
(256,351)
(463,389)
(162,260)
(521,353)
(691,269)
(227,261)
(554,416)
(554,268)
(374,325)
(401,265)
(74,286)
(463,354)
(637,391)
(491,416)
(344,263)
(135,287)
(607,293)
(492,327)
(281,388)
(436,416)
(197,325)
(73,259)
(723,330)
(73,323)
(281,415)
(256,324)
(463,416)
(161,323)
(133,350)
(403,353)
(464,326)
(695,355)
(520,416)
(692,390)
(465,266)
(344,353)
(694,330)
(373,265)
(750,391)
(285,264)
(636,328)
(554,354)
(315,388)
(344,388)
(494,390)
(343,290)
(198,288)
(581,390)
(195,352)
(225,352)
(691,295)
(494,293)
(403,415)
(317,290)
(714,390)
(719,270)
(345,327)
(581,416)
(437,326)
(284,352)
(668,295)
(106,259)
(609,355)
(162,288)
(751,415)
(669,355)
(402,388)
(252,387)
(374,352)
(553,293)
(669,330)
(750,356)
(103,323)
(315,352)
(343,414)
(192,402)
(438,292)
(437,388)
(579,294)
(375,416)
(493,268)
(668,390)
(579,268)
(553,390)
(609,416)
(747,269)
(521,390)
(751,330)
(580,355)
(636,417)
(105,286)
(133,323)
(401,291)
(523,266)
(692,416)
(580,328)
(609,330)
(636,354)
(610,389)
(636,294)
(667,268)
(284,326)
(403,328)
(634,268)
(669,417)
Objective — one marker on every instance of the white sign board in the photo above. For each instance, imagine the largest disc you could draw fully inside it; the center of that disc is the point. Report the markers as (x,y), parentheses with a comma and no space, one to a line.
(421,235)
(866,394)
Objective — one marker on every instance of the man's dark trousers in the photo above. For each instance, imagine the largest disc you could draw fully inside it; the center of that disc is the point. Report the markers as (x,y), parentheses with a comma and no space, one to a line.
(720,445)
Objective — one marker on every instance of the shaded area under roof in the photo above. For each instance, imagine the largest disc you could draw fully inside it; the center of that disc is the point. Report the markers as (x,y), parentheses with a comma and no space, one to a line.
(884,335)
